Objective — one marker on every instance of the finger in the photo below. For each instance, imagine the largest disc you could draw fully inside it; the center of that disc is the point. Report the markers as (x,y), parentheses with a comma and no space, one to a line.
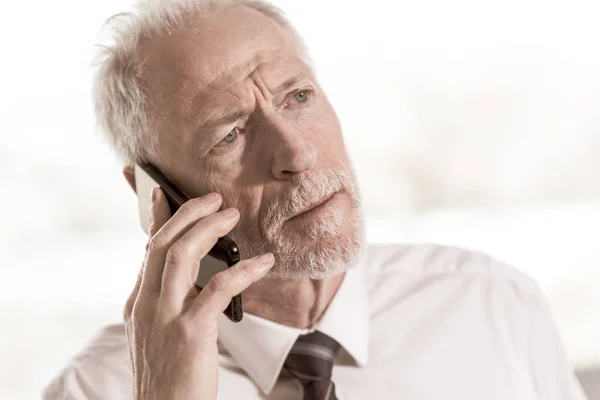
(160,211)
(136,289)
(217,294)
(186,216)
(133,295)
(152,269)
(130,342)
(183,258)
(166,230)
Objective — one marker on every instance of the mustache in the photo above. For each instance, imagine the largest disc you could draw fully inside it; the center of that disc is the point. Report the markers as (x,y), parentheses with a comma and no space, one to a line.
(304,191)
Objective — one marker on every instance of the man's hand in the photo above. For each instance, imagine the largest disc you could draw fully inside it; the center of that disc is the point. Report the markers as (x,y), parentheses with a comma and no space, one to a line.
(171,329)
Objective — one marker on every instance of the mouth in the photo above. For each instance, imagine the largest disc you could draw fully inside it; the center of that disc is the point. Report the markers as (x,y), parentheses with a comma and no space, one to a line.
(316,205)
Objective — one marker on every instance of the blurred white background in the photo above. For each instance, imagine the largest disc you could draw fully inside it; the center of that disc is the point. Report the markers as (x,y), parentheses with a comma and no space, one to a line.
(472,123)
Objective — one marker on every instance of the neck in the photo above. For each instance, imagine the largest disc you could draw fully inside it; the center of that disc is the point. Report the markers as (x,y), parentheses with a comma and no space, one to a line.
(299,303)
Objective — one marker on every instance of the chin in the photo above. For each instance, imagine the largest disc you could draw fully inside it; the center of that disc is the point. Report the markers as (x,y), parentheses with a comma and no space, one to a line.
(315,243)
(334,220)
(320,249)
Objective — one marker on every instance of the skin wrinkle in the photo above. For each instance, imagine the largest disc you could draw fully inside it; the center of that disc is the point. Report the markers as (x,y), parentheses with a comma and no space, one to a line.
(253,74)
(290,155)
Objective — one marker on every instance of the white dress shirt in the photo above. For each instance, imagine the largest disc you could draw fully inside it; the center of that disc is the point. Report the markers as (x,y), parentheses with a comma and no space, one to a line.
(414,322)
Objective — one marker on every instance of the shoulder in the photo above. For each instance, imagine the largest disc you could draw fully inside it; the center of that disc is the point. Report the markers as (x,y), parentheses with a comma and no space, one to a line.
(100,371)
(429,272)
(438,261)
(450,301)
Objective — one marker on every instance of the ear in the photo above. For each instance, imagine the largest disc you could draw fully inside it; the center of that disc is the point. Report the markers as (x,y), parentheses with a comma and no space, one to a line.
(129,174)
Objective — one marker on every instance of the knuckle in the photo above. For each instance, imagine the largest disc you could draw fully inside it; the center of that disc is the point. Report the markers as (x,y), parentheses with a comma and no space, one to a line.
(137,314)
(200,329)
(183,329)
(221,280)
(127,310)
(157,241)
(248,267)
(129,306)
(191,207)
(177,253)
(126,314)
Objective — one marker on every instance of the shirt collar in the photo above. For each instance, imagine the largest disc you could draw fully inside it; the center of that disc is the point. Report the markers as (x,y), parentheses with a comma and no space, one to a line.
(260,346)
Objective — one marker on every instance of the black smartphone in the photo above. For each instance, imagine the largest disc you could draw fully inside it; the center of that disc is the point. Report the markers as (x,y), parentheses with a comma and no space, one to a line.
(223,255)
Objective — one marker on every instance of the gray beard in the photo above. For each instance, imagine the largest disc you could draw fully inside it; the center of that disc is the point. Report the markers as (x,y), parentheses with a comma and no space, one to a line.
(326,247)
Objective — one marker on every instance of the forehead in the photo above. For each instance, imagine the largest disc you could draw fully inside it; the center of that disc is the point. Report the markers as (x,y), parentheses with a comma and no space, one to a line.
(213,50)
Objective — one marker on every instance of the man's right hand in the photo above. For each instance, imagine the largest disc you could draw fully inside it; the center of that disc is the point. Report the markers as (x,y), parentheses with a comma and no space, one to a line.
(171,329)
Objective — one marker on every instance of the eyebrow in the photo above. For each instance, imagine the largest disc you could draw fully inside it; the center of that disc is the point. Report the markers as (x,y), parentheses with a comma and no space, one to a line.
(226,119)
(235,115)
(288,84)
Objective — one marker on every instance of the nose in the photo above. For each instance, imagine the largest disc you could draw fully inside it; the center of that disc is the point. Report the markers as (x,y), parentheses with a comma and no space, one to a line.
(291,151)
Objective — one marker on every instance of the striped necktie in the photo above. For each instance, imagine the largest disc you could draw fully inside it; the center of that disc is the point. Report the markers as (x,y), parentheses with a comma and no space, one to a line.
(310,361)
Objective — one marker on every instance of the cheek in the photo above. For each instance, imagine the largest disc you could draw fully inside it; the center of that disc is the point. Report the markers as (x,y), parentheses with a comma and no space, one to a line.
(239,183)
(237,192)
(328,135)
(249,203)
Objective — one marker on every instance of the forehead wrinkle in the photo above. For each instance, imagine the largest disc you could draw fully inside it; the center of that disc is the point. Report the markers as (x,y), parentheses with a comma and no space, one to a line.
(191,100)
(273,84)
(239,105)
(233,75)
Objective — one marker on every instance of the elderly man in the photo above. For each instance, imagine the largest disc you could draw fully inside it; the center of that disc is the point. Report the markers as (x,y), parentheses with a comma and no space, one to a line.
(221,98)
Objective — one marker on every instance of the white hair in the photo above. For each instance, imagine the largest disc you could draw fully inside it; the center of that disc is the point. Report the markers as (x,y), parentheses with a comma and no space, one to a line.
(119,98)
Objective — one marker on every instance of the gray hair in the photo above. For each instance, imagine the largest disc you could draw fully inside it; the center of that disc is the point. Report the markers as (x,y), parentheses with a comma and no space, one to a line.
(119,99)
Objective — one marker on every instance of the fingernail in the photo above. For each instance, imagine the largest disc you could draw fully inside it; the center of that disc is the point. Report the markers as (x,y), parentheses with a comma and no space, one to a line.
(263,263)
(265,258)
(230,212)
(212,197)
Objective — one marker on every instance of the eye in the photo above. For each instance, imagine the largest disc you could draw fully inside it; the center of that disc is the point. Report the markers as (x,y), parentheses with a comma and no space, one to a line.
(302,96)
(231,136)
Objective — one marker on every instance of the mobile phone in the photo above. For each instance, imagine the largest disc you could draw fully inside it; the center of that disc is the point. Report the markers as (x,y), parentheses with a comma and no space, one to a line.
(223,255)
